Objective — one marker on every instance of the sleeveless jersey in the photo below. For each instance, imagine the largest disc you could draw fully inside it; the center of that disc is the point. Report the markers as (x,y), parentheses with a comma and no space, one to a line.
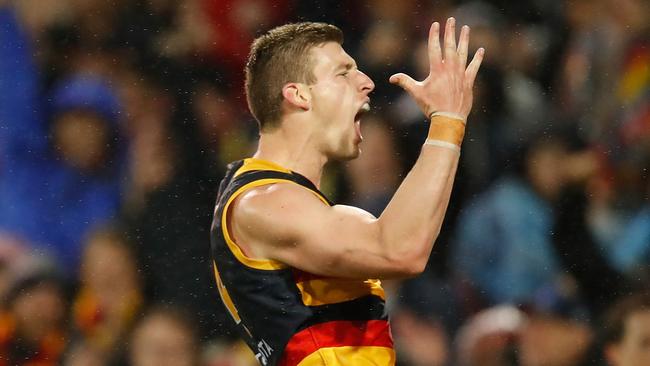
(287,316)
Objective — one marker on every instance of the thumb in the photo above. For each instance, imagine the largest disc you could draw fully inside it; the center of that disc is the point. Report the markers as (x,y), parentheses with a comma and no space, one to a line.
(403,80)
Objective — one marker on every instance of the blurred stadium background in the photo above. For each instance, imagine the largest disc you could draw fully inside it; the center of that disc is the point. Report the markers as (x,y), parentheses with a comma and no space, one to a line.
(117,119)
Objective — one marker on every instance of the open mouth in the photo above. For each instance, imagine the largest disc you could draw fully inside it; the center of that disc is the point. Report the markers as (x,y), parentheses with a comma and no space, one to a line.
(364,109)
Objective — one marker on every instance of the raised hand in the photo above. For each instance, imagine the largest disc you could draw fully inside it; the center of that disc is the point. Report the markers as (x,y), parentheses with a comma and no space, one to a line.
(448,88)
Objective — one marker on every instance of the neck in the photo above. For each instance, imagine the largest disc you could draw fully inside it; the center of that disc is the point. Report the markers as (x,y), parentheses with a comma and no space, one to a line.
(293,151)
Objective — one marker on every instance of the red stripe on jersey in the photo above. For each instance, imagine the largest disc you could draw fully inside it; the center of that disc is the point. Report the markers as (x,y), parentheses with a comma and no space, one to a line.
(338,333)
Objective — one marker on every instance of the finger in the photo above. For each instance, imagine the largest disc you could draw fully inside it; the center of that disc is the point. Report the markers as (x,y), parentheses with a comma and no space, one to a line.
(435,54)
(450,41)
(472,69)
(462,46)
(404,81)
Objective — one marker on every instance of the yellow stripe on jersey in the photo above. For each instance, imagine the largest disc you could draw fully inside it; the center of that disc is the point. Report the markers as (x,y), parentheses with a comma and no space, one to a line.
(331,291)
(251,164)
(357,356)
(225,296)
(263,264)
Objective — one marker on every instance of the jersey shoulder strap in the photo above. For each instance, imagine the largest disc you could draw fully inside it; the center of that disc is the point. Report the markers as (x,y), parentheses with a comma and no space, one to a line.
(245,172)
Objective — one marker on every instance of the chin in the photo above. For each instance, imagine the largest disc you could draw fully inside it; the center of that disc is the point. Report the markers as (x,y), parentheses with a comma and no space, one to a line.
(345,155)
(353,155)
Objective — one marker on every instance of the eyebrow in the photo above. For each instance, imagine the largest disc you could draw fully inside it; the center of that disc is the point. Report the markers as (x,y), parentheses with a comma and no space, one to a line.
(346,66)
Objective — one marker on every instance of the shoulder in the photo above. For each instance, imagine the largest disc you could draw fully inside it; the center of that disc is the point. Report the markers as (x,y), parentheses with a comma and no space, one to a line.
(267,209)
(274,196)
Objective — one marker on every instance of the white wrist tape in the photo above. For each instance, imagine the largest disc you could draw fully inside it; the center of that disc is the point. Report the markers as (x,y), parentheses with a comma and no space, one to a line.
(443,144)
(449,115)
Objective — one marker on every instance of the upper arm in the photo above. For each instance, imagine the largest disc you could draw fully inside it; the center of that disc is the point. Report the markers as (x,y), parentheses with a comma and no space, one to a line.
(288,223)
(21,127)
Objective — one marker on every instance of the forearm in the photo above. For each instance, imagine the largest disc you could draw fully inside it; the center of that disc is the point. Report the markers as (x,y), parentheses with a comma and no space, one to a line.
(21,129)
(412,220)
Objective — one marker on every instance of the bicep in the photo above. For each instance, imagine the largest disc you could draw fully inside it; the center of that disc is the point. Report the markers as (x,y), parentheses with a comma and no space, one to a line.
(339,241)
(291,225)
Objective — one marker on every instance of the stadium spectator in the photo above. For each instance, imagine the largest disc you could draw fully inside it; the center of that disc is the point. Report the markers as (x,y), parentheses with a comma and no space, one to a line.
(553,339)
(176,70)
(488,338)
(164,336)
(503,240)
(110,294)
(33,319)
(424,318)
(627,331)
(161,212)
(61,159)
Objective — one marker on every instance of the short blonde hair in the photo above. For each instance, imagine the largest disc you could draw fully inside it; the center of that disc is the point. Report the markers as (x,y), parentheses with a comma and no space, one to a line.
(278,57)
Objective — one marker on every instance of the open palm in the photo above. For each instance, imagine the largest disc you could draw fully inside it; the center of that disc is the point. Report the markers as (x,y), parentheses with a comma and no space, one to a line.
(448,87)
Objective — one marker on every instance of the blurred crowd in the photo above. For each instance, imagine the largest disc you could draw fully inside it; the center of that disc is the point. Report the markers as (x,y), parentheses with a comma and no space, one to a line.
(117,119)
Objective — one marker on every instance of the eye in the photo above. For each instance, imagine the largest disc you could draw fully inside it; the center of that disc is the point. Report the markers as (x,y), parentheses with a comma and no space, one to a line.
(344,74)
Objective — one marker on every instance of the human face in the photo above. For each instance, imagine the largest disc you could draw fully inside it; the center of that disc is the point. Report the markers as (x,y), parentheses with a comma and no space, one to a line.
(160,341)
(543,169)
(80,137)
(338,99)
(109,271)
(634,348)
(39,310)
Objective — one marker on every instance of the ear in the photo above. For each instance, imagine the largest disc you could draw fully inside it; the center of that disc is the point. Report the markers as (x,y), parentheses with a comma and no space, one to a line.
(297,95)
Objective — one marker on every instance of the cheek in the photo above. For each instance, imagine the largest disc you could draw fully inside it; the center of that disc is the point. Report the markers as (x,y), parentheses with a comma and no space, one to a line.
(334,96)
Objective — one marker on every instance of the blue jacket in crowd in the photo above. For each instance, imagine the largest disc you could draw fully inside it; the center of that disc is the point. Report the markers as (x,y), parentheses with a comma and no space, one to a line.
(42,199)
(504,243)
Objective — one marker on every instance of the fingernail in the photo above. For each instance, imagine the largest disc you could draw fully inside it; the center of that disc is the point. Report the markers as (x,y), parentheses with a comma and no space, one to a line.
(452,20)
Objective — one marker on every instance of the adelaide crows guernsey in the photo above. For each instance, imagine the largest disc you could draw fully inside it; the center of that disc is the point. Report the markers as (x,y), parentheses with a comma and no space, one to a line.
(287,316)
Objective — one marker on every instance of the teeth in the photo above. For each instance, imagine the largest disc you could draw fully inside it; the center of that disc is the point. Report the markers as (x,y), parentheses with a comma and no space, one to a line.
(365,108)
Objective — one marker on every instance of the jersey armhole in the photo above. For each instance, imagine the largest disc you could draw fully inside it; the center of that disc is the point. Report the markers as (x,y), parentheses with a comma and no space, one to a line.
(261,264)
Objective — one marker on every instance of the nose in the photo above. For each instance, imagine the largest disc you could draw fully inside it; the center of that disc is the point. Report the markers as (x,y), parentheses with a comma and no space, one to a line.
(365,84)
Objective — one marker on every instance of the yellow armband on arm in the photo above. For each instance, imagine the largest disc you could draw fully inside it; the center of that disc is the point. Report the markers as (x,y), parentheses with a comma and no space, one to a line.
(446,131)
